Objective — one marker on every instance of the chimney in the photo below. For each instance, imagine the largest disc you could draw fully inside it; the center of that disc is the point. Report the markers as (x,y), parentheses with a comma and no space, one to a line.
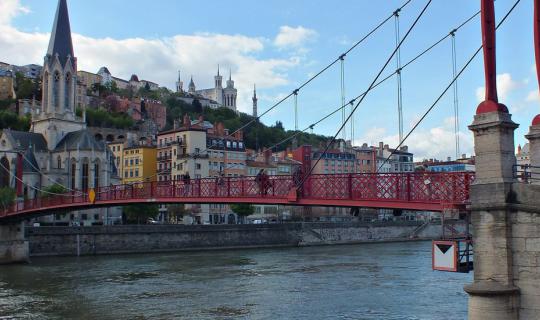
(386,147)
(449,159)
(175,124)
(381,145)
(519,149)
(464,156)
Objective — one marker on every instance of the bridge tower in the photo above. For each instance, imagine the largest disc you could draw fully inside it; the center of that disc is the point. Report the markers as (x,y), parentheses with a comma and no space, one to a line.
(505,215)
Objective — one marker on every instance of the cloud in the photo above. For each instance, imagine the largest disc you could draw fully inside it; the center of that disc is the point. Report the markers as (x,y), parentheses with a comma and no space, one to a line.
(10,9)
(505,86)
(158,59)
(290,37)
(437,142)
(533,96)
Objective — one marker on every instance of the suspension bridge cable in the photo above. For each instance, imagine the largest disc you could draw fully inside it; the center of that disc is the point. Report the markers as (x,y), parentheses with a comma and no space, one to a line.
(351,102)
(296,110)
(356,44)
(456,94)
(398,76)
(48,178)
(342,82)
(32,187)
(368,90)
(447,88)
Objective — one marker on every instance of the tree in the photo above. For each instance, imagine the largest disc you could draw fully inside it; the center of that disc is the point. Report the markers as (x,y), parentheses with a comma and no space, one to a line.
(24,86)
(242,210)
(52,190)
(138,213)
(197,106)
(7,197)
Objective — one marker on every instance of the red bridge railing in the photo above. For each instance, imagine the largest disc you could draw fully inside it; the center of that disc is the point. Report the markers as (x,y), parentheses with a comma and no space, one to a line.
(427,188)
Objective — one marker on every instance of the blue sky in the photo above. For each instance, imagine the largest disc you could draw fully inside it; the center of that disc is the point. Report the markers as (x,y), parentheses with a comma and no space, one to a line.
(279,44)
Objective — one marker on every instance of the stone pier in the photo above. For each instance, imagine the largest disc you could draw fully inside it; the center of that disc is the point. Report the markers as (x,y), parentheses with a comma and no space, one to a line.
(13,246)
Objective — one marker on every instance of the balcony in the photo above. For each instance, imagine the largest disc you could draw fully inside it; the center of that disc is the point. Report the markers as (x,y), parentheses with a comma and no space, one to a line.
(192,156)
(164,158)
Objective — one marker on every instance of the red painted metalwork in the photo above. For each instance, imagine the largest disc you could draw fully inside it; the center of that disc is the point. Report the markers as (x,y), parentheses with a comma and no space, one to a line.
(412,191)
(491,102)
(19,175)
(536,120)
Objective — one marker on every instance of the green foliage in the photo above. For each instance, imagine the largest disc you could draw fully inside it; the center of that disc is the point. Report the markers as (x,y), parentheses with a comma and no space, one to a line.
(9,119)
(52,190)
(242,209)
(7,197)
(5,104)
(104,119)
(26,88)
(140,213)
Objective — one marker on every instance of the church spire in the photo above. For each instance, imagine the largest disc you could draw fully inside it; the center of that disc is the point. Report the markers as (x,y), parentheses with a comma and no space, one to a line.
(254,101)
(60,43)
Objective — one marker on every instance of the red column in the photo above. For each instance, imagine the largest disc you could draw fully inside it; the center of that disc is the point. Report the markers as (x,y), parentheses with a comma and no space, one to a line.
(536,120)
(491,103)
(19,175)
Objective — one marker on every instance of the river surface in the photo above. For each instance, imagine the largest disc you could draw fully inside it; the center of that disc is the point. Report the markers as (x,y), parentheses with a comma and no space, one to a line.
(371,281)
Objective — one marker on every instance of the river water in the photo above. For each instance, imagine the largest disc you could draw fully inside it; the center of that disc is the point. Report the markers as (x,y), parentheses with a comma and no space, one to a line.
(371,281)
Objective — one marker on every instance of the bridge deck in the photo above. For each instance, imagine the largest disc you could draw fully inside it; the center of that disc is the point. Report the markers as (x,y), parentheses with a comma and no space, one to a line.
(413,191)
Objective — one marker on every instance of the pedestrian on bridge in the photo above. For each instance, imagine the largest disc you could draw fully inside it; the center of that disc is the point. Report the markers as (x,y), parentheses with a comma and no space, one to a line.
(187,182)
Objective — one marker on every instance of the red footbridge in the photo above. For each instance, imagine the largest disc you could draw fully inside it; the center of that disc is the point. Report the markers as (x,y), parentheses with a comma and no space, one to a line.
(407,191)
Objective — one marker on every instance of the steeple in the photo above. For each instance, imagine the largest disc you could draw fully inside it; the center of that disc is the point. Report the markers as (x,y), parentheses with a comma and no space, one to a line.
(60,43)
(191,86)
(230,82)
(218,79)
(254,101)
(179,84)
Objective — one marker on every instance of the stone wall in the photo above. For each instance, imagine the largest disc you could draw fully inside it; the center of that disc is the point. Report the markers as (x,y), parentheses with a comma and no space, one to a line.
(13,246)
(45,241)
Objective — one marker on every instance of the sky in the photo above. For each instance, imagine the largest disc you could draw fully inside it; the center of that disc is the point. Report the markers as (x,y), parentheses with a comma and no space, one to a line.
(279,44)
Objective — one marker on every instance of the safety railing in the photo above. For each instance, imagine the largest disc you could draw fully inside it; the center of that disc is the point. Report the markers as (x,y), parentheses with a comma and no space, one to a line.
(426,187)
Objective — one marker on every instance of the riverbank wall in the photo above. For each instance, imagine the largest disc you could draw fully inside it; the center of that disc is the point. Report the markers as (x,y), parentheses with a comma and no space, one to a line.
(75,241)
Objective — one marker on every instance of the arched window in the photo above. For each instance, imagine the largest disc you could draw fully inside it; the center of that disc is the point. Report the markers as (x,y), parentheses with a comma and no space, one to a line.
(45,92)
(96,174)
(67,92)
(73,174)
(84,176)
(4,173)
(56,91)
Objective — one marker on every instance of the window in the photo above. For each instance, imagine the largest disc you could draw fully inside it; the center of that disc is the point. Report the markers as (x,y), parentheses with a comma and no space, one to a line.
(130,162)
(96,175)
(228,144)
(131,173)
(198,166)
(136,172)
(59,162)
(234,144)
(84,176)
(96,216)
(125,174)
(137,161)
(84,216)
(197,150)
(126,162)
(240,145)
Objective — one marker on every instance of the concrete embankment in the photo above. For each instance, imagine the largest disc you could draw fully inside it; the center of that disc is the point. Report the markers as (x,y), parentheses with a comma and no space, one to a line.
(49,241)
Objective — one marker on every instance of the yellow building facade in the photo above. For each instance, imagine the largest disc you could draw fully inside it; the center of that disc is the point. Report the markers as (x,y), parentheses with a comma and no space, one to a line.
(139,164)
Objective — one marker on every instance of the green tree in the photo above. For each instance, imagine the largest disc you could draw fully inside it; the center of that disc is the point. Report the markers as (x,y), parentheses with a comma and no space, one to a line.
(7,197)
(242,210)
(24,86)
(138,213)
(52,190)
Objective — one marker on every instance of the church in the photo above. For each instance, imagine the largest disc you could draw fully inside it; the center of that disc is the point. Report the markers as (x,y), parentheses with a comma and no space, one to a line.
(59,149)
(217,96)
